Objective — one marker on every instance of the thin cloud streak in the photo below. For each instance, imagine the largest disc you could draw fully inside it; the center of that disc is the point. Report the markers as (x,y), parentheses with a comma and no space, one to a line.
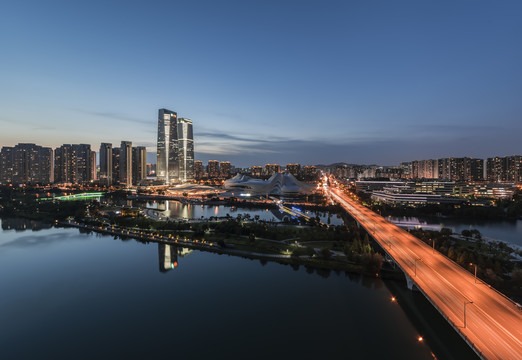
(114,116)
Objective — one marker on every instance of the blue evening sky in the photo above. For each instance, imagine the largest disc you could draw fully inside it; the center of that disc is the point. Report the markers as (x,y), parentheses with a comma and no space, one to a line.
(265,80)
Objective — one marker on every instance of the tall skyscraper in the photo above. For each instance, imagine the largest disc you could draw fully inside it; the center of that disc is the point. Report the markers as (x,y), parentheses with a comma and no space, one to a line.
(126,163)
(167,150)
(139,164)
(185,150)
(106,163)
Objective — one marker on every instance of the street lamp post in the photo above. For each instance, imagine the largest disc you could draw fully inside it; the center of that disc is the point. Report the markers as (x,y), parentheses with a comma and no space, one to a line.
(475,271)
(466,303)
(433,241)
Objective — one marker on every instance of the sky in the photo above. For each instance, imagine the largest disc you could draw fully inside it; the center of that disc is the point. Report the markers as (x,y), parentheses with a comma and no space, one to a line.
(268,81)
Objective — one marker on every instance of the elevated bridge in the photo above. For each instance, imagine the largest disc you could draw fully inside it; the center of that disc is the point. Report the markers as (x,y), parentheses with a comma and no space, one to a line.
(487,320)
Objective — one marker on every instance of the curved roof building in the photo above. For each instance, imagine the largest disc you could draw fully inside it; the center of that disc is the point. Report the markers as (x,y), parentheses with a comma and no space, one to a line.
(278,184)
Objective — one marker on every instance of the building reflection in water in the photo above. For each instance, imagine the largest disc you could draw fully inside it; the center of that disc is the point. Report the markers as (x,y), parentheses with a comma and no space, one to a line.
(176,209)
(23,224)
(168,256)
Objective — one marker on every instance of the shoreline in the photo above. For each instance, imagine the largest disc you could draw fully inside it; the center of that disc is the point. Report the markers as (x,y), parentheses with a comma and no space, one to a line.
(304,260)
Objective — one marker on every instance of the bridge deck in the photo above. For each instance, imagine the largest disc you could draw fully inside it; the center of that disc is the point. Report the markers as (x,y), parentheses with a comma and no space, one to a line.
(491,324)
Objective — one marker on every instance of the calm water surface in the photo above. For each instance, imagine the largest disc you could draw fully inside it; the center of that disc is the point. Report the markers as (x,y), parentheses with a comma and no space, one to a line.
(178,210)
(506,230)
(67,295)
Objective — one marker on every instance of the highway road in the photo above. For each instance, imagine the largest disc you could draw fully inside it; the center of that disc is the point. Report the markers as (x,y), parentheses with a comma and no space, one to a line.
(487,320)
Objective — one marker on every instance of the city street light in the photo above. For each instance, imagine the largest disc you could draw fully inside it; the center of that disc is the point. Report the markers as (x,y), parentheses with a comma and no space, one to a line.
(475,271)
(433,241)
(466,303)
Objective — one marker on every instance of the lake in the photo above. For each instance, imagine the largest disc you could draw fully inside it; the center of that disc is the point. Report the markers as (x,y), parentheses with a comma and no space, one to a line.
(66,294)
(506,230)
(178,210)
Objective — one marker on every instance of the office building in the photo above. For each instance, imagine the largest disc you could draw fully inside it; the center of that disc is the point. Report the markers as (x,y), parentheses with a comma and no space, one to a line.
(126,163)
(185,150)
(167,161)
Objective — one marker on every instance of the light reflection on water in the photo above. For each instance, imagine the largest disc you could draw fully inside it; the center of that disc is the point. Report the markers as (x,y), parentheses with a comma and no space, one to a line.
(74,295)
(505,230)
(178,210)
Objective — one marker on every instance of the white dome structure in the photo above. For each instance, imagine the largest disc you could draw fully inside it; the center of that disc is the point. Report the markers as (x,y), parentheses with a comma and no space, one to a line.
(278,184)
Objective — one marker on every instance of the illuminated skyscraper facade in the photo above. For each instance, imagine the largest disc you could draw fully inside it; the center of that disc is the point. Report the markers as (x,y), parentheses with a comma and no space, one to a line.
(175,151)
(185,150)
(167,149)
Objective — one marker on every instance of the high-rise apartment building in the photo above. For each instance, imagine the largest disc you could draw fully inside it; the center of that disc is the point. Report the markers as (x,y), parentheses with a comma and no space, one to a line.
(167,151)
(72,164)
(93,165)
(461,169)
(225,169)
(198,170)
(116,165)
(26,163)
(126,163)
(106,163)
(213,169)
(139,164)
(310,173)
(504,169)
(271,169)
(83,163)
(185,150)
(425,169)
(7,164)
(294,169)
(449,169)
(256,171)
